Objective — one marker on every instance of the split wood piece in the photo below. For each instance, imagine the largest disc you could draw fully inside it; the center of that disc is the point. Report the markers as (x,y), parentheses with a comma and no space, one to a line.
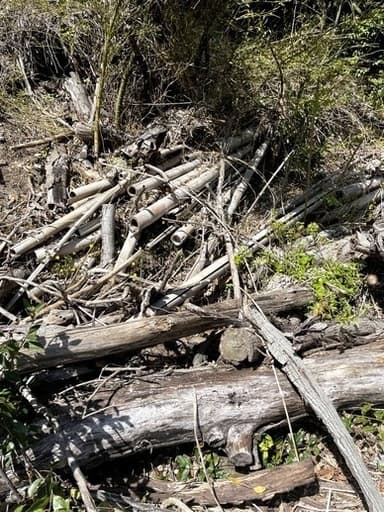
(246,178)
(107,234)
(57,168)
(79,97)
(127,250)
(260,486)
(147,143)
(136,416)
(328,336)
(89,343)
(156,181)
(96,187)
(70,219)
(316,398)
(239,345)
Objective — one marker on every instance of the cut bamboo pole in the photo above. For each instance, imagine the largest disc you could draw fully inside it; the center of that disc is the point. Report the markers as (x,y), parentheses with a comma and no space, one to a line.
(107,234)
(156,181)
(84,191)
(156,210)
(127,250)
(245,179)
(79,214)
(71,247)
(184,232)
(184,188)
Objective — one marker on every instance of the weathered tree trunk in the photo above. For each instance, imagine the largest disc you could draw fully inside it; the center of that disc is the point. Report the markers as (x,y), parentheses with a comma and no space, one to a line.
(80,100)
(74,345)
(160,410)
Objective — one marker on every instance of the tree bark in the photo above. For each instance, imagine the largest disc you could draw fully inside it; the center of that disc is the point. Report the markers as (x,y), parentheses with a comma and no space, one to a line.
(159,409)
(314,396)
(74,345)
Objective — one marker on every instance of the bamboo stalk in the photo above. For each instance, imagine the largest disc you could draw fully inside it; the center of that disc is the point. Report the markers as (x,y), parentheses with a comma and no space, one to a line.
(90,189)
(74,218)
(156,181)
(71,247)
(245,179)
(107,234)
(127,250)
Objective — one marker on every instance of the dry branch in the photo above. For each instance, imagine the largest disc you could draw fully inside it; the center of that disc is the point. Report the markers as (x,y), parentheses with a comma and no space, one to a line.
(236,489)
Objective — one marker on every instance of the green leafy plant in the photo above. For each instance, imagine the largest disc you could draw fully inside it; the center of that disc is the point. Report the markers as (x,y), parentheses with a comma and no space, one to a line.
(243,254)
(335,284)
(15,429)
(367,424)
(64,266)
(279,450)
(51,494)
(188,467)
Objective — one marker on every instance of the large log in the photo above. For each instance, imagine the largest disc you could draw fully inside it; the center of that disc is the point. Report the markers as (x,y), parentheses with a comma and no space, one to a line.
(160,410)
(280,348)
(74,345)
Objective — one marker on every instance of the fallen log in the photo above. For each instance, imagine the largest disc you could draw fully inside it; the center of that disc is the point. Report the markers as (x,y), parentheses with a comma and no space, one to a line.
(159,410)
(74,345)
(314,396)
(237,489)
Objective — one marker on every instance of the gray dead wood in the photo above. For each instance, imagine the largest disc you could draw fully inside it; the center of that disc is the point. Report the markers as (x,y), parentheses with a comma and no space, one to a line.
(57,168)
(74,345)
(258,486)
(301,376)
(158,410)
(79,97)
(328,336)
(107,234)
